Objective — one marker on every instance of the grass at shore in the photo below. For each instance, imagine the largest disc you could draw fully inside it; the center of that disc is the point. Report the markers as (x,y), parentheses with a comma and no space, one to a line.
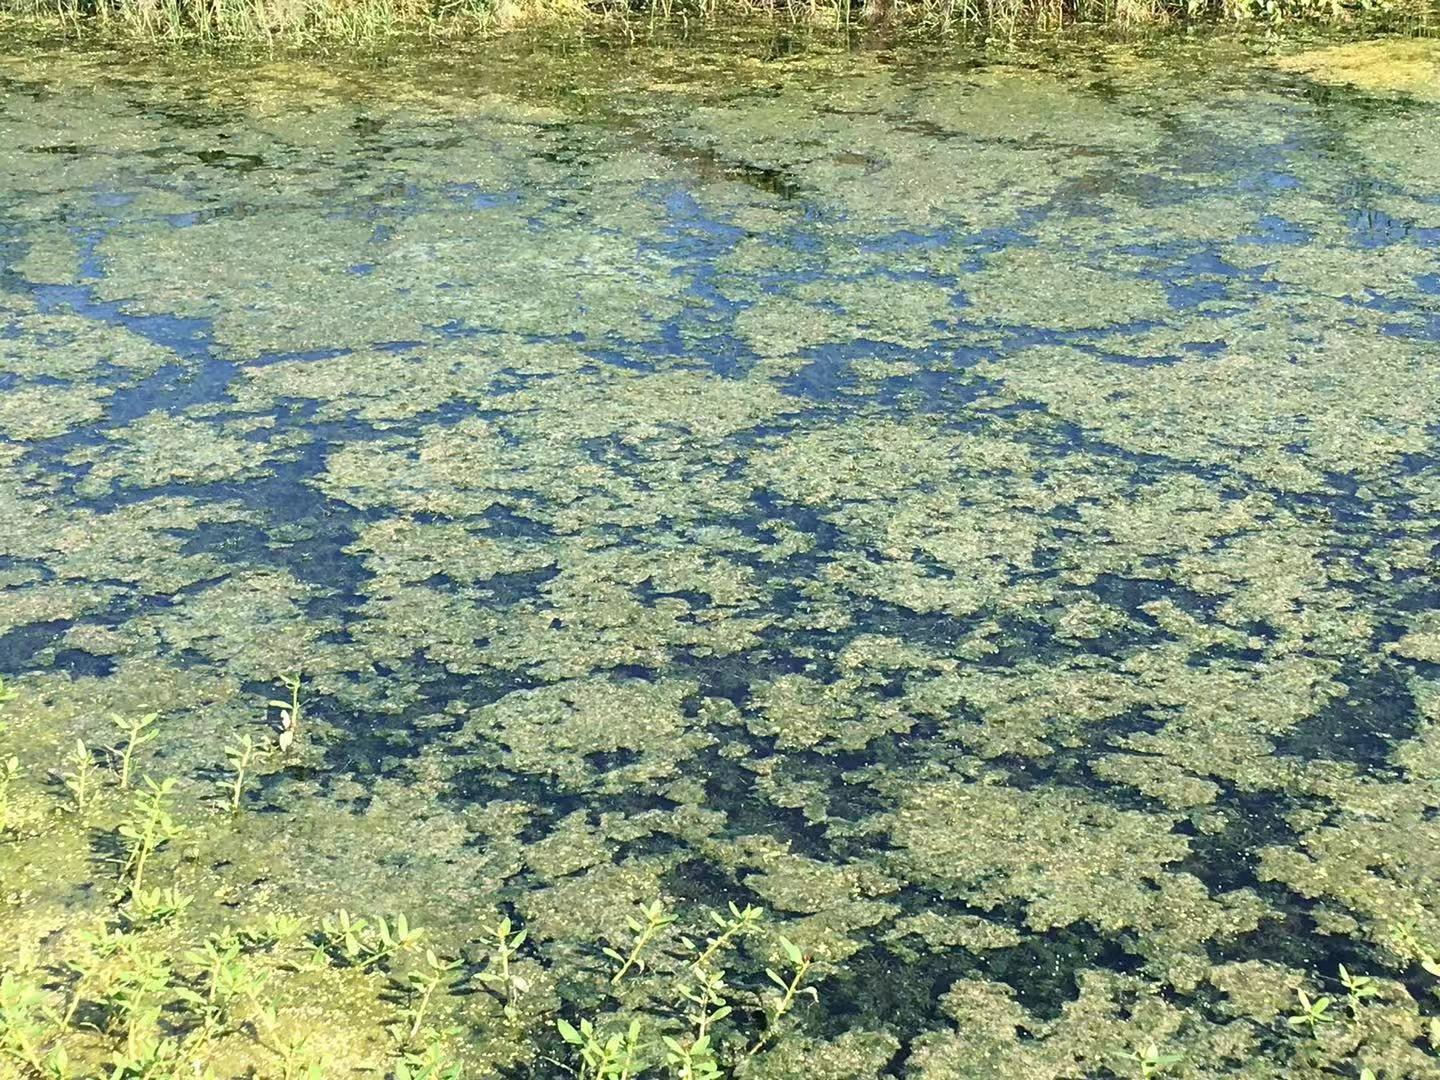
(297,22)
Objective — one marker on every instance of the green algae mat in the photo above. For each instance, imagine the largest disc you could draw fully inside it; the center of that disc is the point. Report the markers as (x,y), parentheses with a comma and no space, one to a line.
(980,512)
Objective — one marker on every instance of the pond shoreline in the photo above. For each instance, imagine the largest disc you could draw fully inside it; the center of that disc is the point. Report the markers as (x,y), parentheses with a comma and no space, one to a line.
(339,26)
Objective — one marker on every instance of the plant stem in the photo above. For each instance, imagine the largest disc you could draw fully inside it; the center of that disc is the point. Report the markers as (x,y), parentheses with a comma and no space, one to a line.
(634,957)
(420,1010)
(125,761)
(716,945)
(782,1008)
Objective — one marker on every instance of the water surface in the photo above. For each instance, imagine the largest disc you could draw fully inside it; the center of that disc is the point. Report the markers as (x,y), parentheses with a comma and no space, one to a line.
(984,512)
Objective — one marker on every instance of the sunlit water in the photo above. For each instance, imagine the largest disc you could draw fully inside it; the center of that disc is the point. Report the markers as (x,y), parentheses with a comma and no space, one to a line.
(983,513)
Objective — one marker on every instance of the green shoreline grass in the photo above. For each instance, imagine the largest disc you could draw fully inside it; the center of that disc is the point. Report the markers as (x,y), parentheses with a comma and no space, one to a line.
(297,22)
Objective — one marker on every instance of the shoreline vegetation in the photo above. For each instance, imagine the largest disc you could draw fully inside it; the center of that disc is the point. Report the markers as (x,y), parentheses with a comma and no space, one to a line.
(297,23)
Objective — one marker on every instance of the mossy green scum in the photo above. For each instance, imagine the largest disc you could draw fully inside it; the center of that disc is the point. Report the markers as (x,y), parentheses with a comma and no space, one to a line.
(976,507)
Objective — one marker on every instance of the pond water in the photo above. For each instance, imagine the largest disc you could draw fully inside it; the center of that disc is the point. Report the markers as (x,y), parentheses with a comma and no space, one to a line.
(981,510)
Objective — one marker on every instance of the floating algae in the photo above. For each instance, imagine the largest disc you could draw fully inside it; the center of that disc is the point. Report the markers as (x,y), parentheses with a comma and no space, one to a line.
(982,514)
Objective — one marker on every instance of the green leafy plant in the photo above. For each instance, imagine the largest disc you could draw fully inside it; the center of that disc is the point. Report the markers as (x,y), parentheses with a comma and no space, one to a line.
(498,973)
(99,947)
(137,987)
(156,905)
(290,711)
(364,942)
(1358,989)
(656,919)
(25,1023)
(706,994)
(790,989)
(275,930)
(422,984)
(295,1062)
(146,829)
(81,781)
(137,731)
(1411,947)
(1151,1061)
(1311,1014)
(741,921)
(224,980)
(146,1055)
(346,934)
(602,1058)
(694,1059)
(240,753)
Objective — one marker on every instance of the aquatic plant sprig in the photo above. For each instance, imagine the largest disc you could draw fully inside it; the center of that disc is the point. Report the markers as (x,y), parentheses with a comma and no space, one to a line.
(656,919)
(241,754)
(291,712)
(226,978)
(98,947)
(1312,1013)
(156,905)
(1151,1060)
(1358,989)
(694,1059)
(81,780)
(706,992)
(1410,946)
(137,731)
(741,921)
(602,1058)
(790,989)
(498,973)
(422,984)
(147,828)
(139,983)
(430,1063)
(364,942)
(292,1049)
(276,929)
(24,1021)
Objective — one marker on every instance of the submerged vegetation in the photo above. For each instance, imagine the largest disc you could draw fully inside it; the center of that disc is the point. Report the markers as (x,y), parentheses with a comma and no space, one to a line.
(137,988)
(134,990)
(531,518)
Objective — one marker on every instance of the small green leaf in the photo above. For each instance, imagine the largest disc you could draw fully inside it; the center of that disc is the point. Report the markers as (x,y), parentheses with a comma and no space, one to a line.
(792,951)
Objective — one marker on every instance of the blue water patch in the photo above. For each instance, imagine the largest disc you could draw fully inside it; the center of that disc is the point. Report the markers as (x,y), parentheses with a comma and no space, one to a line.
(1271,229)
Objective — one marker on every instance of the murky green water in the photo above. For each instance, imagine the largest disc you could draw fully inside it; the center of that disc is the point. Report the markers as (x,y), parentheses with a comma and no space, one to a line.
(986,515)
